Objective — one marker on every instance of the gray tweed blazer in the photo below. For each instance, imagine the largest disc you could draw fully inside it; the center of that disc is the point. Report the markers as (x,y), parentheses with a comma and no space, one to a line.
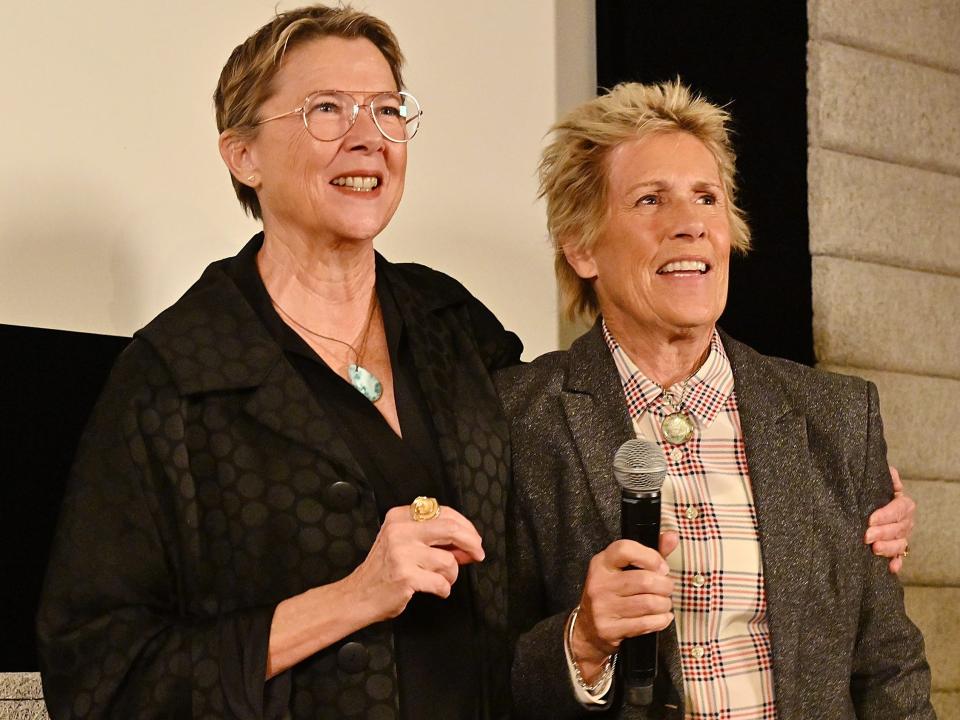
(842,644)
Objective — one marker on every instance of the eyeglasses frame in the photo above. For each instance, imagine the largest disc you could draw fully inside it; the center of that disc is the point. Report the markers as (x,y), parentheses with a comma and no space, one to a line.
(356,112)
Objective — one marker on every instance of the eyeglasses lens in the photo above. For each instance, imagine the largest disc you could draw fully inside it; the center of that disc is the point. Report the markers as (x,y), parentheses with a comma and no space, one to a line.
(331,115)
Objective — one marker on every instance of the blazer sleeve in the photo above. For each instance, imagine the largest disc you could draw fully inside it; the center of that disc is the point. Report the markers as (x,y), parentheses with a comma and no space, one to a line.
(116,637)
(890,677)
(540,678)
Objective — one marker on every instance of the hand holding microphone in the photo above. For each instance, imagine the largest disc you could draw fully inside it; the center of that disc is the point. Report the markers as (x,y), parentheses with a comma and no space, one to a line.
(622,611)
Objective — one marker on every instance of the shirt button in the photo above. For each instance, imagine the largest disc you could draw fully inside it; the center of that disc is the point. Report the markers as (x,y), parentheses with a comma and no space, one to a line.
(699,580)
(697,651)
(676,454)
(692,513)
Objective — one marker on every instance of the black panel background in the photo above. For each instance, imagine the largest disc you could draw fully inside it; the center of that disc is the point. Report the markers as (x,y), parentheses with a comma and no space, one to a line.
(751,55)
(48,384)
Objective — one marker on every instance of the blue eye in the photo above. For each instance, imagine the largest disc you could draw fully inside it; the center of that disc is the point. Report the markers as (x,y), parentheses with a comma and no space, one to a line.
(648,200)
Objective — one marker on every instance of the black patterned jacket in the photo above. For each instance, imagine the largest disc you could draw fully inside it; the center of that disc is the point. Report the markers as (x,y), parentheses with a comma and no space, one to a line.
(209,486)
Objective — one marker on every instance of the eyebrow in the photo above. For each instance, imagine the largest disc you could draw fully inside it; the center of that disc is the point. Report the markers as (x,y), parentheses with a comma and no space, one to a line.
(698,185)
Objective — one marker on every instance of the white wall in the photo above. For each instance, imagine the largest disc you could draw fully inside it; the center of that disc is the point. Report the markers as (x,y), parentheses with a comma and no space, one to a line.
(113,197)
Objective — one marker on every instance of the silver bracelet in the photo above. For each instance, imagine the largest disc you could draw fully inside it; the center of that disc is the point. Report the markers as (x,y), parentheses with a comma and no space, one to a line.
(608,665)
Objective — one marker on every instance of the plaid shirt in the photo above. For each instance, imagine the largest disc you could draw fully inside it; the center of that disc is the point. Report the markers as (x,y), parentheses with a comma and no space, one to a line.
(718,598)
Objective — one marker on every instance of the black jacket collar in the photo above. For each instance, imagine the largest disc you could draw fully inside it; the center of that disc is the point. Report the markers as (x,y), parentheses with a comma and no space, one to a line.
(214,313)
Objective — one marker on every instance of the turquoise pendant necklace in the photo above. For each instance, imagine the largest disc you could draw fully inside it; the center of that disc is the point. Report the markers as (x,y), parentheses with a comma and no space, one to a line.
(364,381)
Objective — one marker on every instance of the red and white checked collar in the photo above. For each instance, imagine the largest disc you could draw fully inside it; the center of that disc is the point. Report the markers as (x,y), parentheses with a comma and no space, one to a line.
(707,389)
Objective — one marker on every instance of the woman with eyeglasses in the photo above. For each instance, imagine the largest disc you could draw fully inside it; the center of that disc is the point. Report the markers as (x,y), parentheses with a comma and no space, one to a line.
(289,500)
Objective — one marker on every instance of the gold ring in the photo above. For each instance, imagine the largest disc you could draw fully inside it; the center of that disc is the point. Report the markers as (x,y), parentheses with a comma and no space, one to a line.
(424,508)
(906,550)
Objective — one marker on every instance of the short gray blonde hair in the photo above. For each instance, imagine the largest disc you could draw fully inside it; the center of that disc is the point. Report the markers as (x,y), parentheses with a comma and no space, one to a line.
(246,80)
(573,168)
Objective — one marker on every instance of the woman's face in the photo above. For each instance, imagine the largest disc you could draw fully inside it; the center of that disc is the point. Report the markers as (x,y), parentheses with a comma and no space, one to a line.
(661,261)
(297,173)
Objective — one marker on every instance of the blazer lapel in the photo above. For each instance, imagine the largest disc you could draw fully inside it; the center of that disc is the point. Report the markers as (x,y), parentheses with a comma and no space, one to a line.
(596,413)
(777,455)
(597,416)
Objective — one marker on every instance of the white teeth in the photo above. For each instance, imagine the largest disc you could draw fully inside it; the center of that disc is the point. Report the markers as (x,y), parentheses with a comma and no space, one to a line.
(683,266)
(364,183)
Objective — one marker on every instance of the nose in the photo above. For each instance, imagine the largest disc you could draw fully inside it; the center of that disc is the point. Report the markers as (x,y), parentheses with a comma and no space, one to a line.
(364,135)
(686,223)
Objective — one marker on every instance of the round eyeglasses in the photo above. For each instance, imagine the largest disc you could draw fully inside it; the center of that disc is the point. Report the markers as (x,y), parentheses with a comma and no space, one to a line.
(329,114)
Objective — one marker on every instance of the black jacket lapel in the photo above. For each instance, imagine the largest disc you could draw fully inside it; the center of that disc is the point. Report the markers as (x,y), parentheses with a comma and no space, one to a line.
(226,348)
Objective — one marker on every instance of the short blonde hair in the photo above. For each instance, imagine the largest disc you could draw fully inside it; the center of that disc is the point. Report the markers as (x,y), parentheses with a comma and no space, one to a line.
(573,168)
(246,80)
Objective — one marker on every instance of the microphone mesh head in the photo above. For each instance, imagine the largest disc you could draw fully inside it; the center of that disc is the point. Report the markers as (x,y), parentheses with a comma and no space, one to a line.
(639,465)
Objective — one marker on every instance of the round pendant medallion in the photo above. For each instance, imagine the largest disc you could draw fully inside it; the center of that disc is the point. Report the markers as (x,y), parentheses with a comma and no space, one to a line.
(677,427)
(365,382)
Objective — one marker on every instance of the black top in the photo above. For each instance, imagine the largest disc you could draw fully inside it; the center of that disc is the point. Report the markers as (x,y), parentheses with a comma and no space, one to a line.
(435,660)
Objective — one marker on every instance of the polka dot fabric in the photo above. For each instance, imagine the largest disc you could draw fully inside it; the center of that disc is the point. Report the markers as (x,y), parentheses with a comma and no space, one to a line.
(210,485)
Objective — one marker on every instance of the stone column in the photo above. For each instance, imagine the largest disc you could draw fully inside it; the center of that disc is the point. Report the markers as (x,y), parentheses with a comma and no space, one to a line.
(884,204)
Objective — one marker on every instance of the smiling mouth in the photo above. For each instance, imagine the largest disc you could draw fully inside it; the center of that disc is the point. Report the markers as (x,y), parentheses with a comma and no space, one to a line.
(357,183)
(684,267)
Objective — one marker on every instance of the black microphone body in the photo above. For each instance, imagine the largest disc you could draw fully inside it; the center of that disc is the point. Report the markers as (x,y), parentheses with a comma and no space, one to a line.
(639,468)
(639,521)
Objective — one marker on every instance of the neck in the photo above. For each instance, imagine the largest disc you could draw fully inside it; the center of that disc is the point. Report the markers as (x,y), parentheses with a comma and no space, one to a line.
(325,286)
(666,357)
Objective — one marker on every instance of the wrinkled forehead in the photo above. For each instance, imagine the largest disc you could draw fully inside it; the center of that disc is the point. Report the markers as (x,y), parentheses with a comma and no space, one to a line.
(662,157)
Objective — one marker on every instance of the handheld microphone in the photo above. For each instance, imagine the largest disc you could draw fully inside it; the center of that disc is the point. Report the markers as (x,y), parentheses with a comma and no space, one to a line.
(639,467)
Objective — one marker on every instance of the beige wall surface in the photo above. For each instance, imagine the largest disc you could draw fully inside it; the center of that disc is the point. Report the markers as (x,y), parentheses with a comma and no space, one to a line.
(113,197)
(884,174)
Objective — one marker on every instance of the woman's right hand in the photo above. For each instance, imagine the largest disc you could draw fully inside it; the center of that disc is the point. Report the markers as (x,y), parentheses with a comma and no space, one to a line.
(409,556)
(618,603)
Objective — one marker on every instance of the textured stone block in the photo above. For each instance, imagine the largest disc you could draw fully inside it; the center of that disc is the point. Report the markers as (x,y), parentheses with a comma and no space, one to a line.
(872,316)
(911,406)
(935,546)
(925,32)
(880,212)
(866,104)
(23,710)
(936,611)
(20,686)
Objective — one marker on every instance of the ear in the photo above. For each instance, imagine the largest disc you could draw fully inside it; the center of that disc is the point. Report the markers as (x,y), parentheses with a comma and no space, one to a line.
(239,158)
(581,260)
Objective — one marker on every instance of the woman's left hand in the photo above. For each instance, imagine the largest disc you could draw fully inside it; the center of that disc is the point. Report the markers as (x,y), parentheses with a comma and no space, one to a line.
(890,526)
